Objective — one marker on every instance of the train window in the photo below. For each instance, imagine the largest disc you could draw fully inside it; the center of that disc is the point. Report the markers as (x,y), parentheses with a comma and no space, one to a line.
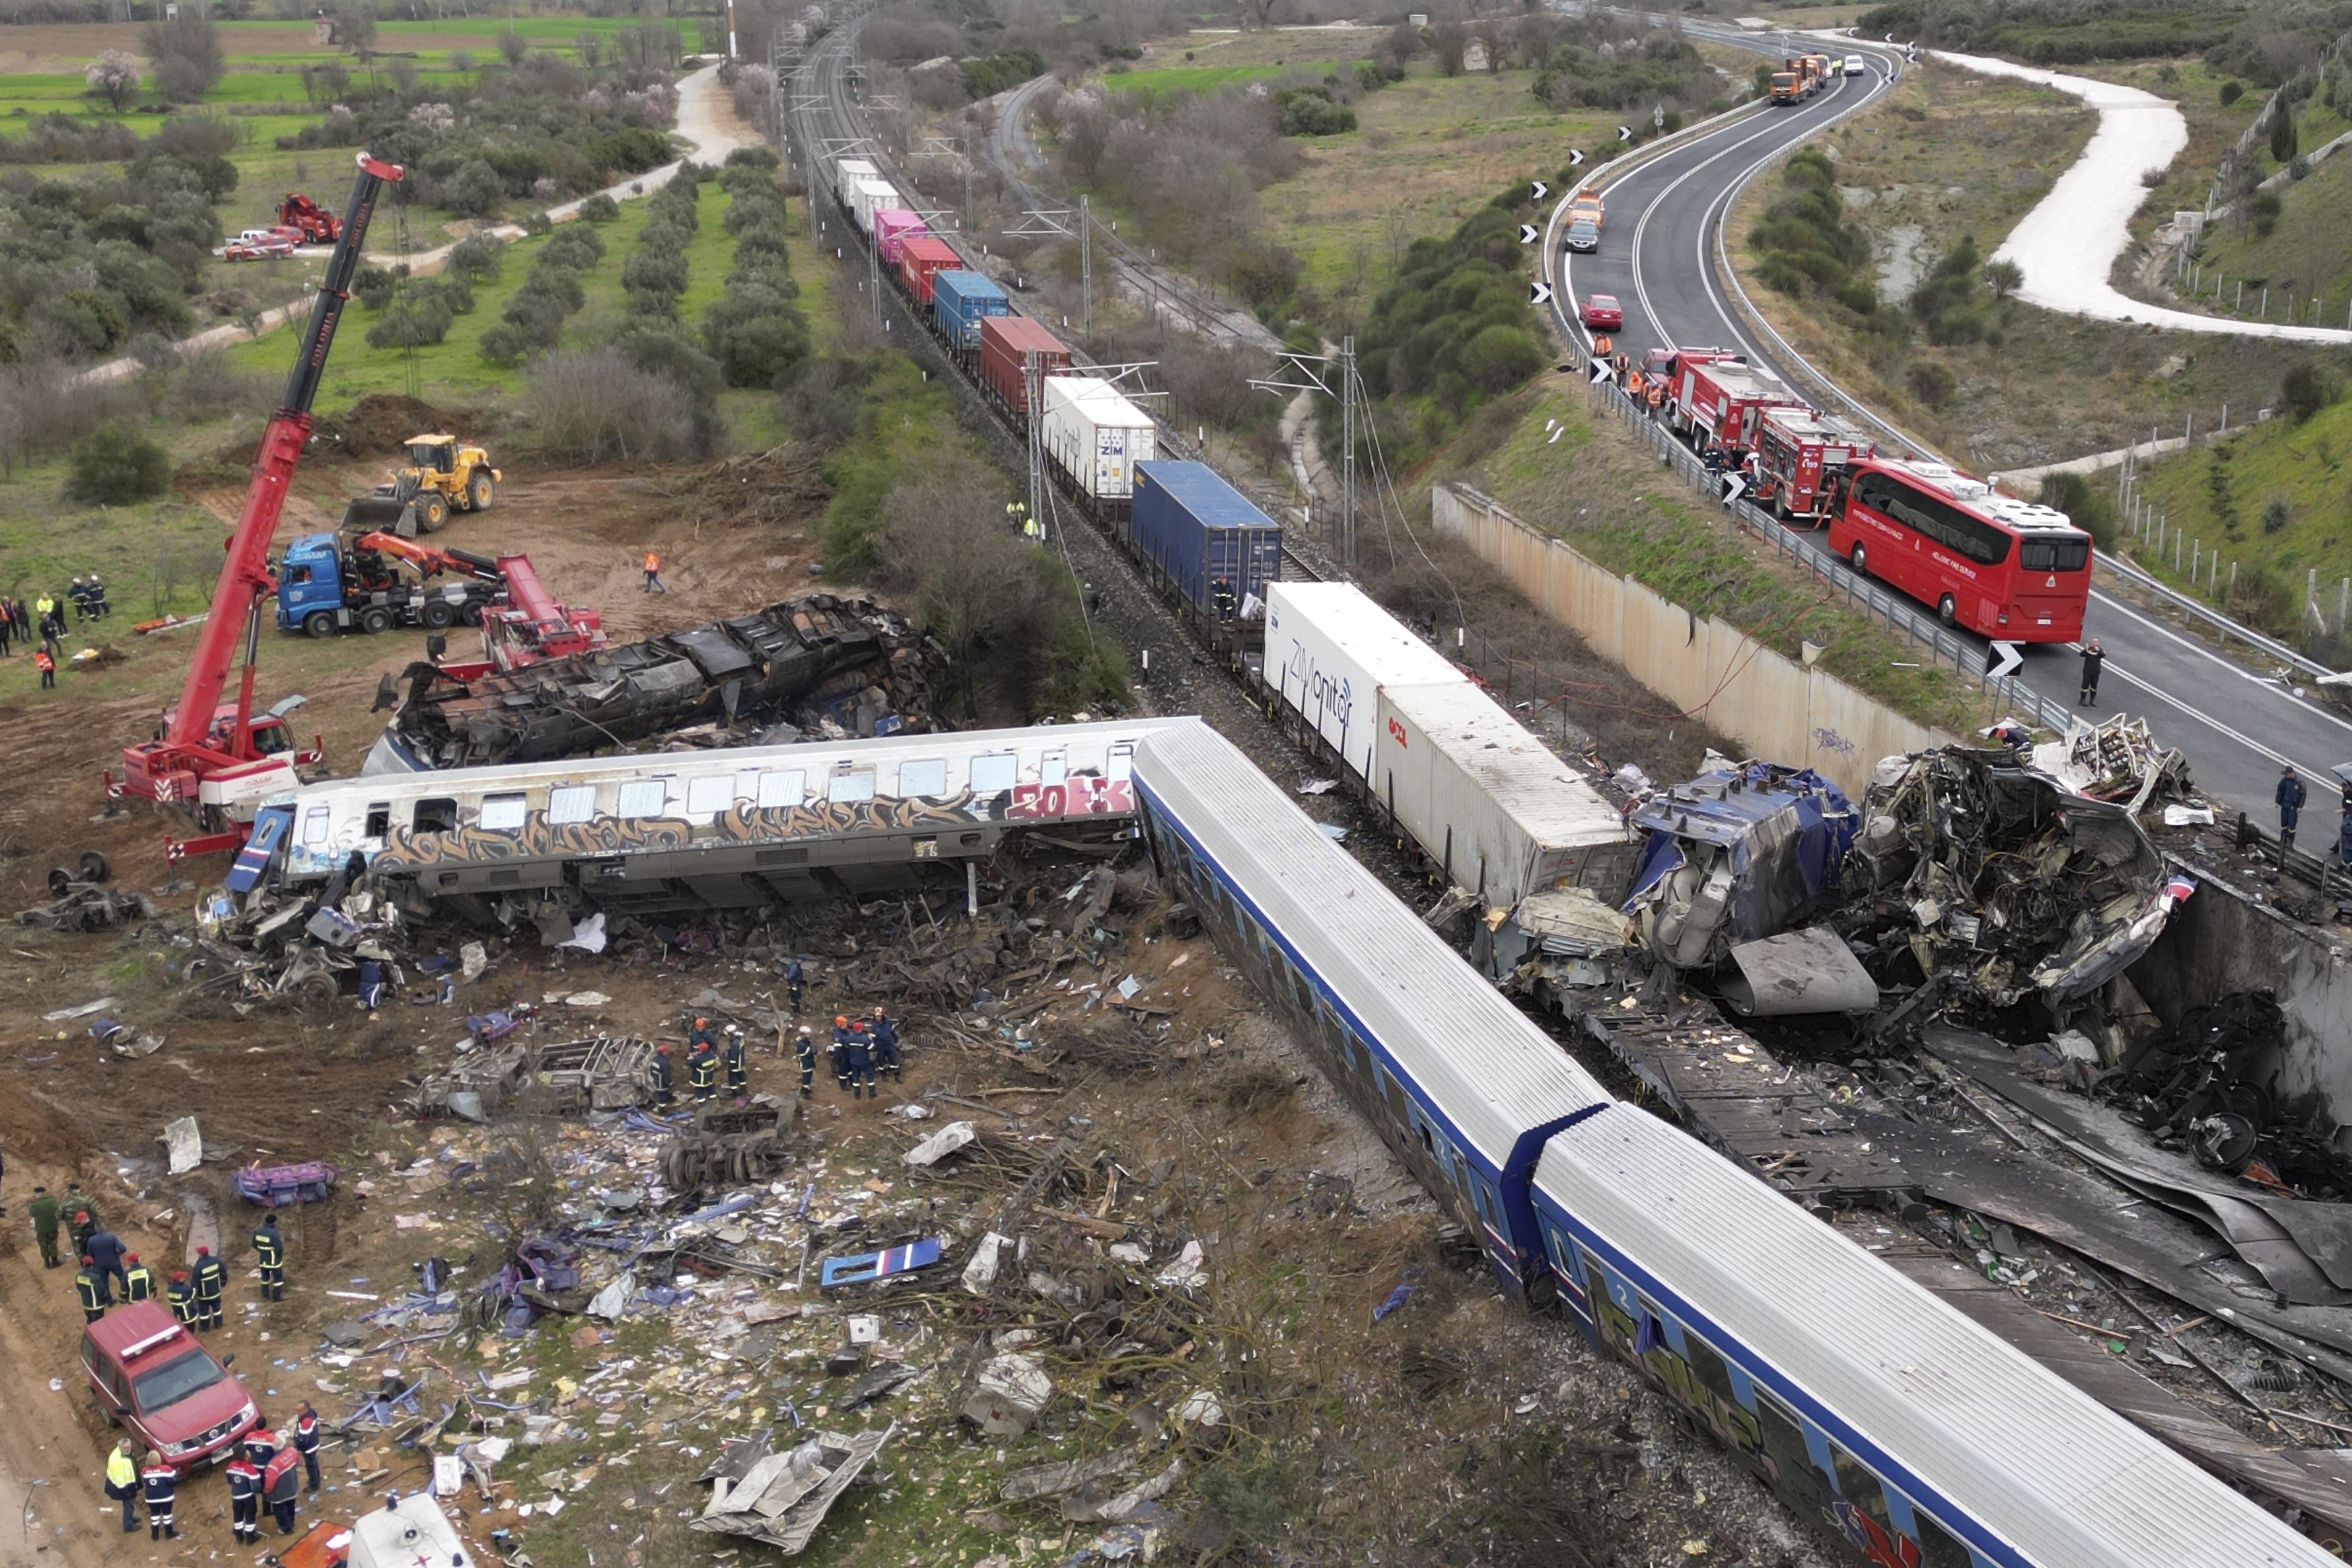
(925,776)
(784,788)
(644,797)
(503,813)
(379,819)
(1784,1445)
(571,802)
(1859,1487)
(436,816)
(853,785)
(1708,1368)
(1122,761)
(994,773)
(1053,768)
(314,825)
(709,795)
(1938,1547)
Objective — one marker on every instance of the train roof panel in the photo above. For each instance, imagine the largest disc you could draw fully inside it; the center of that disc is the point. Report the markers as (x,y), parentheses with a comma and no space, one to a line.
(1100,402)
(1526,779)
(1485,1065)
(1203,491)
(1954,1411)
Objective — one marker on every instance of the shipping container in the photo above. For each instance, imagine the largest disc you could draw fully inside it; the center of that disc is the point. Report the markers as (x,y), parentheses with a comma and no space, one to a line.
(1005,344)
(867,196)
(893,227)
(921,258)
(1095,438)
(1489,802)
(961,301)
(1194,530)
(846,173)
(1329,649)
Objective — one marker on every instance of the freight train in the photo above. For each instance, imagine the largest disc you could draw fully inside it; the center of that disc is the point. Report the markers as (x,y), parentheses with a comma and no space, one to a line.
(1203,546)
(1881,1414)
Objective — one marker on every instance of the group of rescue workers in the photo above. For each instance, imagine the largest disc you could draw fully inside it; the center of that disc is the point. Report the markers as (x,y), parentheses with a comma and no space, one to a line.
(863,1049)
(110,1270)
(261,1474)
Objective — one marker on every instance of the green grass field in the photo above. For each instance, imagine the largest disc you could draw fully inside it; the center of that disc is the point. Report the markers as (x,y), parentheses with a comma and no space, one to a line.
(2217,496)
(1208,79)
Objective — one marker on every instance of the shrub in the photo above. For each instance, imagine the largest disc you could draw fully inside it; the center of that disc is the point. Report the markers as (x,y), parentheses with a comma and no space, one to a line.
(2231,92)
(1312,111)
(115,465)
(480,257)
(2003,278)
(1931,382)
(2085,504)
(373,287)
(756,333)
(599,208)
(1501,357)
(2283,134)
(417,318)
(557,283)
(579,247)
(2304,390)
(2276,515)
(658,272)
(596,406)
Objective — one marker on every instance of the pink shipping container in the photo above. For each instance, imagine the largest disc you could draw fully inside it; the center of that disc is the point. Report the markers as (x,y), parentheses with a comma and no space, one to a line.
(893,227)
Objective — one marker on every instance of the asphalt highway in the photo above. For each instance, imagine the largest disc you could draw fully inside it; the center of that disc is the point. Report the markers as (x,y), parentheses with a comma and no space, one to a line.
(2238,726)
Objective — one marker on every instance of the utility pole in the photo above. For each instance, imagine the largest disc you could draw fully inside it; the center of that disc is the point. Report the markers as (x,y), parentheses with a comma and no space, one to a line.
(1087,266)
(1032,389)
(1315,372)
(1050,220)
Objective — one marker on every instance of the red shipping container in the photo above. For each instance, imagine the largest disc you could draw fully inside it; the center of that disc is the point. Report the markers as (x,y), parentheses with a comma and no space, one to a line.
(920,257)
(1005,343)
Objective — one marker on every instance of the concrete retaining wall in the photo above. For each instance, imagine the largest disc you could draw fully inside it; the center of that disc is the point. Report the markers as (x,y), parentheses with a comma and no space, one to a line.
(1774,706)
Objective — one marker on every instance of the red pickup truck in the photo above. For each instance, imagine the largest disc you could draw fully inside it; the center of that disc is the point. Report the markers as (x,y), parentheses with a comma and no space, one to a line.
(154,1376)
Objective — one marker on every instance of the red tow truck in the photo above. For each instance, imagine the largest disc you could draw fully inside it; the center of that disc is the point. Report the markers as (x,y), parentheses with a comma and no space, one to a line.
(218,758)
(313,223)
(1802,461)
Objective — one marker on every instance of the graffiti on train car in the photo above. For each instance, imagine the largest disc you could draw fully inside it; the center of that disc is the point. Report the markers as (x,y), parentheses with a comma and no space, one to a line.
(406,849)
(1080,794)
(1812,1473)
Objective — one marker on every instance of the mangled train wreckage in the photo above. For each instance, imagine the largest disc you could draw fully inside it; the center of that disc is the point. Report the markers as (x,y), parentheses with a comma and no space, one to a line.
(732,828)
(812,662)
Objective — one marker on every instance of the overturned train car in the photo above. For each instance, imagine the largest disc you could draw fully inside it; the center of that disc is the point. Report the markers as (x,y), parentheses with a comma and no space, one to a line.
(807,661)
(712,829)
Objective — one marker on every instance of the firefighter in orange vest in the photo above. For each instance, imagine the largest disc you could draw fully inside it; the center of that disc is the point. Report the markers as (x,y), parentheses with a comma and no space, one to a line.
(653,574)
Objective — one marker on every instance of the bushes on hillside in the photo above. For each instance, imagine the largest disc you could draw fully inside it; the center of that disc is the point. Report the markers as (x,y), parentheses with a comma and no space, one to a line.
(655,275)
(2305,389)
(534,319)
(1313,112)
(1946,300)
(1803,239)
(595,407)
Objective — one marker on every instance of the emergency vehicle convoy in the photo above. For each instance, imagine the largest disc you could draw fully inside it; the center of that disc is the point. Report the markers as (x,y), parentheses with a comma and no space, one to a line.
(2000,567)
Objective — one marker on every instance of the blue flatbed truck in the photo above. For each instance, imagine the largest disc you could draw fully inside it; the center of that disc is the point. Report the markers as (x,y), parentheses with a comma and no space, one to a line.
(326,586)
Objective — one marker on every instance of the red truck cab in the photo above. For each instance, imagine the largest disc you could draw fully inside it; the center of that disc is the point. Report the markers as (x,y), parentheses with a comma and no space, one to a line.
(152,1374)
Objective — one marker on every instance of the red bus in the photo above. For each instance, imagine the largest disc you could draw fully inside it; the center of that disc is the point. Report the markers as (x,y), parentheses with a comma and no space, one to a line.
(2002,568)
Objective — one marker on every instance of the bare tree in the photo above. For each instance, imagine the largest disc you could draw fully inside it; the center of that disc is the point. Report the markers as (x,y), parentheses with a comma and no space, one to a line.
(1538,33)
(595,407)
(1260,13)
(1449,41)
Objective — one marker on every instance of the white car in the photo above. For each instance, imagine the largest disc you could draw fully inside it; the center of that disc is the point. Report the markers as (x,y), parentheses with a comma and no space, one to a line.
(1853,65)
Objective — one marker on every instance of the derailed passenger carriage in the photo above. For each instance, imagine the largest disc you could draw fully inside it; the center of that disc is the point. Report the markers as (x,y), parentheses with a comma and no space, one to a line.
(1889,1420)
(1461,1085)
(725,829)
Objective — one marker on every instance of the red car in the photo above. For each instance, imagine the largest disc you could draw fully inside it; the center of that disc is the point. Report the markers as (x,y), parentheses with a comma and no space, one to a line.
(1602,310)
(156,1377)
(251,249)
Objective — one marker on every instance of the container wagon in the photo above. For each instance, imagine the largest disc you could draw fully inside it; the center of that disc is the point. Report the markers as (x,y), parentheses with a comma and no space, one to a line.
(1005,344)
(868,197)
(846,173)
(893,227)
(1093,438)
(1489,802)
(1328,650)
(922,258)
(1203,543)
(961,300)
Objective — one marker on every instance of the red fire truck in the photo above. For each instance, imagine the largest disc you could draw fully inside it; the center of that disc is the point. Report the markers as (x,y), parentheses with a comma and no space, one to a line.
(1802,460)
(1720,404)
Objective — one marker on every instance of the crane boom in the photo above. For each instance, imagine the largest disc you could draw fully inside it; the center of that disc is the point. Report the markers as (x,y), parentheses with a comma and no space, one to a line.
(200,744)
(431,560)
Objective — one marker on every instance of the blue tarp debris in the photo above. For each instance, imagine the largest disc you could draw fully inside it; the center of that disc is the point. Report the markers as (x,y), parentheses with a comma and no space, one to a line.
(1737,854)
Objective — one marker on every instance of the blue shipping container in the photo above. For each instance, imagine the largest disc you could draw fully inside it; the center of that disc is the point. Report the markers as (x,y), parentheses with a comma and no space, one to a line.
(1195,528)
(961,301)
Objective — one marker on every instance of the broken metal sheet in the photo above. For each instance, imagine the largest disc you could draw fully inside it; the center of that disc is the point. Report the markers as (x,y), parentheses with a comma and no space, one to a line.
(2304,1249)
(1734,855)
(1084,1507)
(185,1144)
(1572,923)
(784,1497)
(864,1267)
(1808,971)
(2110,1226)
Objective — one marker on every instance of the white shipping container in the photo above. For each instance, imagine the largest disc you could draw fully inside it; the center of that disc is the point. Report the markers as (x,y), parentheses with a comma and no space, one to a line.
(847,172)
(1096,435)
(1329,651)
(868,195)
(1490,802)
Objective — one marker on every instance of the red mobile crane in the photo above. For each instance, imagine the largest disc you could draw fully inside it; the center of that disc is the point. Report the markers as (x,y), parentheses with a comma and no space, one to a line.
(214,756)
(314,223)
